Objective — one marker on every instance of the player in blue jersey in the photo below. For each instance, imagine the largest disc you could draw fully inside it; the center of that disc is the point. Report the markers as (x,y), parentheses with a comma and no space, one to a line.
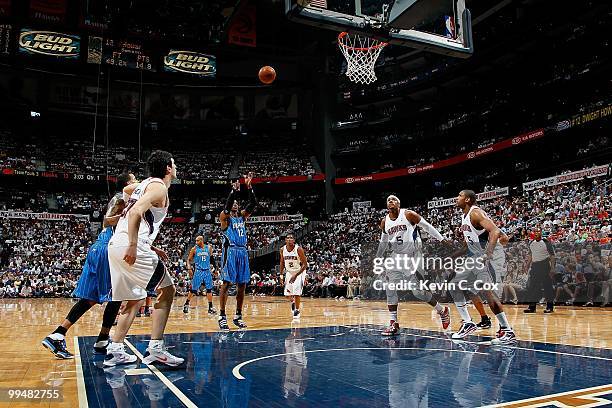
(94,285)
(235,257)
(201,254)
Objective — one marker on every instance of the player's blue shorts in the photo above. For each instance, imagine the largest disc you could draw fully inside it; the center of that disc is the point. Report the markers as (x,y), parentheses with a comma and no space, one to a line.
(95,281)
(201,276)
(235,265)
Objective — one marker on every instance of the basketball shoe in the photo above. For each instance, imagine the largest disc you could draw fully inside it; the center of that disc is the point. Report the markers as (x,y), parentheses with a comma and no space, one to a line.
(101,346)
(239,322)
(445,317)
(392,330)
(223,324)
(116,355)
(485,323)
(466,329)
(158,353)
(505,337)
(57,346)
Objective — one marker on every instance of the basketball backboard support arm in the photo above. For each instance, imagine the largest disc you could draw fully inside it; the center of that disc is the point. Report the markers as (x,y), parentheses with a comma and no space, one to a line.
(461,47)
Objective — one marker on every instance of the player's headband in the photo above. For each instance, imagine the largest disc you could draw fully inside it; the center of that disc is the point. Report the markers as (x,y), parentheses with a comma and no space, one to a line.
(393,197)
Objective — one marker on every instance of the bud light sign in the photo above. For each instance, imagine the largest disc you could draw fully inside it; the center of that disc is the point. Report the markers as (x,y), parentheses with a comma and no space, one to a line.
(190,62)
(49,43)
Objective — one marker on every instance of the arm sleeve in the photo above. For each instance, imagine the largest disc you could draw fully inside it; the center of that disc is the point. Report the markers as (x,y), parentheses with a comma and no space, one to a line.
(430,229)
(250,207)
(213,262)
(550,248)
(229,202)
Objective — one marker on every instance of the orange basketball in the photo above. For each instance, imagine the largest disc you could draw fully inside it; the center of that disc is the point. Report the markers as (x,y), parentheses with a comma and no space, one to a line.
(267,74)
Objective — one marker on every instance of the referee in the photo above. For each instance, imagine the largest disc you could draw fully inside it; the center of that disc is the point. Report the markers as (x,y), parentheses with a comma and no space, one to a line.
(542,260)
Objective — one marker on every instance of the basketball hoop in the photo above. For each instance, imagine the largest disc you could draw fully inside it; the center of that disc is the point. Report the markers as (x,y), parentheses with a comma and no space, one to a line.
(361,54)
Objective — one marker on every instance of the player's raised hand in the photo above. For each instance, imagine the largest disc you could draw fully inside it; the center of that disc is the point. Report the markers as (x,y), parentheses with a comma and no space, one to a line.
(248,179)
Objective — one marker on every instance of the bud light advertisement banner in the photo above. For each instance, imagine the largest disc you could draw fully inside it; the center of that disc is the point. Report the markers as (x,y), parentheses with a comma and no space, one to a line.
(49,43)
(191,62)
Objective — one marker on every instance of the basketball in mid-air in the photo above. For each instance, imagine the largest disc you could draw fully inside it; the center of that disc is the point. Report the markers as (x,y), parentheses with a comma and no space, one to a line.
(267,74)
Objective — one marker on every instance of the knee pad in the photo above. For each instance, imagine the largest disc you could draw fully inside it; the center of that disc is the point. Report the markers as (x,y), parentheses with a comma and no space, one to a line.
(195,292)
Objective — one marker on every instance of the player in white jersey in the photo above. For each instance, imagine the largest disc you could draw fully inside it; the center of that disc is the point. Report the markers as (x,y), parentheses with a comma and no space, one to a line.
(481,237)
(293,261)
(135,263)
(400,230)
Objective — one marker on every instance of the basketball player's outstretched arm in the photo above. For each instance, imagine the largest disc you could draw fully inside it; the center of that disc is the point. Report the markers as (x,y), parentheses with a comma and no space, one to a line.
(416,219)
(190,261)
(479,219)
(154,196)
(246,213)
(225,214)
(384,239)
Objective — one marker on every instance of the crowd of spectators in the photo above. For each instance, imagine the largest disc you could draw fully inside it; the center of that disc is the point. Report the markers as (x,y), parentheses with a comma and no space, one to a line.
(288,161)
(574,217)
(80,157)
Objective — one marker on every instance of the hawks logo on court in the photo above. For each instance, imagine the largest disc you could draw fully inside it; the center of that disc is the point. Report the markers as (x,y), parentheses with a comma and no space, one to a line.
(589,397)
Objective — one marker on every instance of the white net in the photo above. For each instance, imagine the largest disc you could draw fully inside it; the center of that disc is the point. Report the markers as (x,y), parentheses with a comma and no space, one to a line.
(361,54)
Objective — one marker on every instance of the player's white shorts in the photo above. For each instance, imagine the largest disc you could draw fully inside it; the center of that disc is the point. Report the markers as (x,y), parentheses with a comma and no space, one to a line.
(131,282)
(296,287)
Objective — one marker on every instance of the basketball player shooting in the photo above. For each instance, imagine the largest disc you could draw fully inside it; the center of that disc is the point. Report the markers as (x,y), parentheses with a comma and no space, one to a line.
(481,237)
(234,257)
(401,230)
(201,254)
(293,261)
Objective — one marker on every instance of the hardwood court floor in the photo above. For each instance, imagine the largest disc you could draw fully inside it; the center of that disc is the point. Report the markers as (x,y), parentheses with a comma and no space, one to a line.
(24,323)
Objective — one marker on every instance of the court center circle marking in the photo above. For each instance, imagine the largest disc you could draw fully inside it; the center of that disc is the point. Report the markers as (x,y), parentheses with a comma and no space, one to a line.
(236,369)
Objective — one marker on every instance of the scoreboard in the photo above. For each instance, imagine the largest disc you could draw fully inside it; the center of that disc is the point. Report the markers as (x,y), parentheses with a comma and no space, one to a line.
(128,54)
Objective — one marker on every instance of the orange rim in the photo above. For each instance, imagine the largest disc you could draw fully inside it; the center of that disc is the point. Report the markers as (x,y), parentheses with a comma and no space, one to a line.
(343,34)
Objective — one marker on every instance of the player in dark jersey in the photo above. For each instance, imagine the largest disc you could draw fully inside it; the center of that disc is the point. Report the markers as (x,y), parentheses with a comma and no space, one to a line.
(235,258)
(201,253)
(94,285)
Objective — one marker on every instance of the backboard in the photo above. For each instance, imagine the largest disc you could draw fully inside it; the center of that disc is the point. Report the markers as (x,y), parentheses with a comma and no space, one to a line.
(438,26)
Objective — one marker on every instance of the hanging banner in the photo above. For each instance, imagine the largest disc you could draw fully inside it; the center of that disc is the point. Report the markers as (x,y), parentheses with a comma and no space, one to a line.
(243,27)
(49,43)
(260,219)
(496,147)
(190,62)
(484,196)
(94,15)
(50,11)
(24,215)
(361,205)
(597,171)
